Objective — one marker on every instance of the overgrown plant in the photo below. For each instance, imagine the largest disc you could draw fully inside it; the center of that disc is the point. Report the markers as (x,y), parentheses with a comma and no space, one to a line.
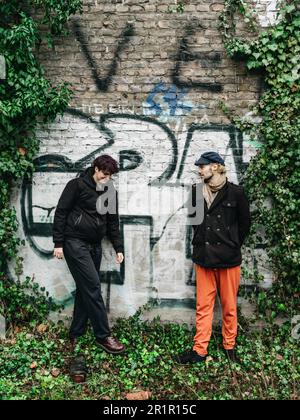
(273,177)
(34,365)
(22,302)
(26,97)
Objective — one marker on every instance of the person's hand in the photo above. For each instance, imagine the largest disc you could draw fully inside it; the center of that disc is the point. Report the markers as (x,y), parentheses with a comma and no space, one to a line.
(120,257)
(58,253)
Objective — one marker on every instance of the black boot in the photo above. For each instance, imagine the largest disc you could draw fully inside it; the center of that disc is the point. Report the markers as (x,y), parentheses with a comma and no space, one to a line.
(78,369)
(231,356)
(189,357)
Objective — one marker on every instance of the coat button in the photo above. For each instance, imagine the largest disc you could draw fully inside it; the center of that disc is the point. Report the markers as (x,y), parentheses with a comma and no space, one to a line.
(207,243)
(219,243)
(218,230)
(219,216)
(228,204)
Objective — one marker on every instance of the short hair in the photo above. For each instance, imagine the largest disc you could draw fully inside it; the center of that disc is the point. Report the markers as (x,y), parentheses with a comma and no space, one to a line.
(106,163)
(221,169)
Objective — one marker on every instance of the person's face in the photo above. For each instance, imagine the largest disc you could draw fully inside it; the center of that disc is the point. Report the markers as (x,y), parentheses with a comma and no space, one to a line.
(207,171)
(101,176)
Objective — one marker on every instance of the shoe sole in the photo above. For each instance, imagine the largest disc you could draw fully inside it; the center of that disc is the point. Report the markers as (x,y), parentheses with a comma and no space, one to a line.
(110,351)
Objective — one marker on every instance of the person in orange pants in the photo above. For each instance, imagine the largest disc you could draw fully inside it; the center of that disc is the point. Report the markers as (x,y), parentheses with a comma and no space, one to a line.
(208,281)
(217,255)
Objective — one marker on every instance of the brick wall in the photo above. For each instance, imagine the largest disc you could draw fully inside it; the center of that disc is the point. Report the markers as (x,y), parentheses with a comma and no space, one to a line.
(147,82)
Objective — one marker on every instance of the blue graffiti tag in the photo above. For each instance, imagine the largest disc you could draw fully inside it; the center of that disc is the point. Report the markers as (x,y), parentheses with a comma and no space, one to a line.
(167,101)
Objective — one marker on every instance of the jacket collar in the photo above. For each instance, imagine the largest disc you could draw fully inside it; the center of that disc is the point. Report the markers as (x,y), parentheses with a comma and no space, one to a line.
(87,177)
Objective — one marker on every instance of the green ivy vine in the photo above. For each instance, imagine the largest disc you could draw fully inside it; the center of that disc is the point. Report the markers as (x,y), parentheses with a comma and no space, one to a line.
(26,98)
(273,177)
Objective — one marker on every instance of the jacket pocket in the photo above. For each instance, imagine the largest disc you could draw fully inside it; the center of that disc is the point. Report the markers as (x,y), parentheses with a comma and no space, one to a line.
(78,220)
(229,204)
(86,225)
(73,219)
(229,210)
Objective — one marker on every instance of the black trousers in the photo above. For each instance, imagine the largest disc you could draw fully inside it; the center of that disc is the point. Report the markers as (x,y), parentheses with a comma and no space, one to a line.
(84,261)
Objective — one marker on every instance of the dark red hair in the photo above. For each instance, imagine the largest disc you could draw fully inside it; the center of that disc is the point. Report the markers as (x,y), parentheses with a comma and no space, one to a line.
(106,163)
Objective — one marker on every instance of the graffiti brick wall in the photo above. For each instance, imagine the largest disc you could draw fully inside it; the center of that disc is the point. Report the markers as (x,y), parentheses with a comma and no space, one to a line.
(147,82)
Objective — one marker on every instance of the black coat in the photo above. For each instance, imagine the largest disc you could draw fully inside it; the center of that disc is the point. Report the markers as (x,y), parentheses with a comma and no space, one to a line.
(218,239)
(76,214)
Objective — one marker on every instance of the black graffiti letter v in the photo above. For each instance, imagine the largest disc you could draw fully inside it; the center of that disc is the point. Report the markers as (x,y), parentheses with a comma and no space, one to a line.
(103,83)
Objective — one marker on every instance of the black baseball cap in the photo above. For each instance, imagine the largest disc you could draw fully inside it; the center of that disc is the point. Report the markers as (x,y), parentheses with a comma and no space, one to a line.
(209,157)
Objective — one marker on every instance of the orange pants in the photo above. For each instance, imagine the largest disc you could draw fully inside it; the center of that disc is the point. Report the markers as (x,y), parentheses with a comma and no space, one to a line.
(208,280)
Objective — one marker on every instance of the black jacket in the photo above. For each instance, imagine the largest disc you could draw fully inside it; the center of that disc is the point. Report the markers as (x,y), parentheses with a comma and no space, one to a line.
(218,239)
(76,214)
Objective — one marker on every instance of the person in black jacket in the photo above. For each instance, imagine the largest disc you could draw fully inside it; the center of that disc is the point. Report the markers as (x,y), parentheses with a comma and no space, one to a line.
(217,256)
(87,211)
